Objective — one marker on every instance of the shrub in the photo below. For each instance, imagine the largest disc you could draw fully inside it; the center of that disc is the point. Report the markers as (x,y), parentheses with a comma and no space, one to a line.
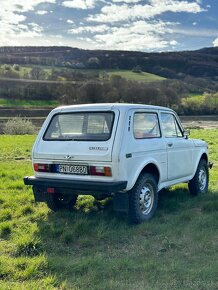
(19,126)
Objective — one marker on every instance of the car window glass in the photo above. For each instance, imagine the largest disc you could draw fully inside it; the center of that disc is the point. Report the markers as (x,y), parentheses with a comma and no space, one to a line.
(84,126)
(146,125)
(170,126)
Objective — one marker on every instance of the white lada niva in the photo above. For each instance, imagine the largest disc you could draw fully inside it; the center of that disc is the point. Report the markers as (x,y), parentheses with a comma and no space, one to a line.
(127,151)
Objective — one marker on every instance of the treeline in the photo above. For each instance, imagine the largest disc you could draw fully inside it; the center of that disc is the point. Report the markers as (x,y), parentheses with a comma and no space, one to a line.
(170,93)
(206,104)
(177,65)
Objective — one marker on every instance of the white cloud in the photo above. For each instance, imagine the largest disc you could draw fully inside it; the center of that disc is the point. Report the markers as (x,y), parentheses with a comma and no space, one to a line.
(139,35)
(13,29)
(194,32)
(126,1)
(79,4)
(173,42)
(125,12)
(70,21)
(215,42)
(41,12)
(21,5)
(91,29)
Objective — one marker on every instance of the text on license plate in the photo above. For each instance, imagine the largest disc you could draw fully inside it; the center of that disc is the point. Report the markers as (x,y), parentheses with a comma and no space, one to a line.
(72,169)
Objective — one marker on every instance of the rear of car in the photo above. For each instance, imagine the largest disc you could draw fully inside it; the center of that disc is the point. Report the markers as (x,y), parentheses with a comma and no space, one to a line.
(73,153)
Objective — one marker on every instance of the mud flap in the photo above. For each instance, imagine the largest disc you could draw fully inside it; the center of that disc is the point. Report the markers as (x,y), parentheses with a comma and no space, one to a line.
(40,194)
(121,202)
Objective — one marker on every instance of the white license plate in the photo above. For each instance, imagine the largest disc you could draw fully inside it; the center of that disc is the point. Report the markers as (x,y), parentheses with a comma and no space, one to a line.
(73,169)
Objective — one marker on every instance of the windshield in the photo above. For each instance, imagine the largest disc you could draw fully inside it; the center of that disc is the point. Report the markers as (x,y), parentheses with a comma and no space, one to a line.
(84,126)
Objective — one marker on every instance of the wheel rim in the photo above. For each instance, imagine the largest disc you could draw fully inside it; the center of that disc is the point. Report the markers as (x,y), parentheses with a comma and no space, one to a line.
(146,199)
(202,179)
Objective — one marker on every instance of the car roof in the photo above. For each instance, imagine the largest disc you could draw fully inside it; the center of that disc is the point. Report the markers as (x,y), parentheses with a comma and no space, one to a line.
(109,106)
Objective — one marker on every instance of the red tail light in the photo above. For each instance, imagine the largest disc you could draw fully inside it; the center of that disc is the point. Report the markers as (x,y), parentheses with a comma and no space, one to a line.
(41,167)
(100,171)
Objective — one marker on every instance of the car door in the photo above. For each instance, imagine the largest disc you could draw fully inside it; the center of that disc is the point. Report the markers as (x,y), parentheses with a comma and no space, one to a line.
(179,148)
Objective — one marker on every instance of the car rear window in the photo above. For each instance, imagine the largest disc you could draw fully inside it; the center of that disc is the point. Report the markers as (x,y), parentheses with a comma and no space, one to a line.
(83,126)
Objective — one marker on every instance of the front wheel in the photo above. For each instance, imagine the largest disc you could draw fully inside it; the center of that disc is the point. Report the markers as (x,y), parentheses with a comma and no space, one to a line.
(59,201)
(199,183)
(143,198)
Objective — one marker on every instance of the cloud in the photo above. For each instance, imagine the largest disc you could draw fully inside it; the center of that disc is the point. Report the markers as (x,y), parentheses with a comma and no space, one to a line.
(139,35)
(90,29)
(41,12)
(125,12)
(13,18)
(126,1)
(194,32)
(114,24)
(79,4)
(215,42)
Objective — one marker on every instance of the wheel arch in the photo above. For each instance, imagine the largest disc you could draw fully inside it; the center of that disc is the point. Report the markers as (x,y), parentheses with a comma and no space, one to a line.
(203,156)
(153,169)
(150,167)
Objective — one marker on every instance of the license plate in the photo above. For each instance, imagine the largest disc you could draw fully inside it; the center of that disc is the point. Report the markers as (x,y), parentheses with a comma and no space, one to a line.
(72,169)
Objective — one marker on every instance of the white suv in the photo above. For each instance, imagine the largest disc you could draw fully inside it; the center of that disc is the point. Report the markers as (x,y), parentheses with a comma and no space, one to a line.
(127,151)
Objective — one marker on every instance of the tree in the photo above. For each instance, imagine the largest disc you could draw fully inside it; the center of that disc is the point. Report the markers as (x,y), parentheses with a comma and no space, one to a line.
(37,73)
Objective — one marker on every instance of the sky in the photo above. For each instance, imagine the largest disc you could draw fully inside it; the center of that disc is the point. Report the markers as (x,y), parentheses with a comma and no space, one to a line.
(150,25)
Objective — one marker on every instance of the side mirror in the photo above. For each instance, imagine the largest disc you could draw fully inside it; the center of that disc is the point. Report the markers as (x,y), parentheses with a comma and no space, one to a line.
(186,133)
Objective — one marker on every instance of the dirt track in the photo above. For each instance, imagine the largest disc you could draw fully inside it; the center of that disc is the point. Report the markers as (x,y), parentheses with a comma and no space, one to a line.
(206,122)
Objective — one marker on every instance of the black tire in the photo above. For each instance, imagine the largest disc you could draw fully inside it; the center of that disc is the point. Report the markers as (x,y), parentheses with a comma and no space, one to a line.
(58,201)
(143,199)
(199,183)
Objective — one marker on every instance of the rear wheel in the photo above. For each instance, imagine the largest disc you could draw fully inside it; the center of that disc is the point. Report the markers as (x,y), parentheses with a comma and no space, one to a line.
(57,201)
(199,183)
(143,198)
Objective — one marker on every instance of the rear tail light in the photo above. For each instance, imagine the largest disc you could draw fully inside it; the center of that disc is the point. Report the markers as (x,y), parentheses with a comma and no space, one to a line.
(100,170)
(50,190)
(41,167)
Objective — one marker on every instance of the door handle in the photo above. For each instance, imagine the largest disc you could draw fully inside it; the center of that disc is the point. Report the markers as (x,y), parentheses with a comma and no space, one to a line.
(170,144)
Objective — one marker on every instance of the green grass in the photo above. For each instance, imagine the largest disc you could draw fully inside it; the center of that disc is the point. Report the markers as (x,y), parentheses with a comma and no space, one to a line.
(28,103)
(132,76)
(94,248)
(127,74)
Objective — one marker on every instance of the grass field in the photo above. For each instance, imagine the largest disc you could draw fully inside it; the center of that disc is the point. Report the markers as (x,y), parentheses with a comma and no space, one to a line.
(139,77)
(27,103)
(93,248)
(127,74)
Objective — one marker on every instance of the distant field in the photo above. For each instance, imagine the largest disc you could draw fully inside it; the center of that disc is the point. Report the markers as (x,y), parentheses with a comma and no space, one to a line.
(140,77)
(27,103)
(92,248)
(128,74)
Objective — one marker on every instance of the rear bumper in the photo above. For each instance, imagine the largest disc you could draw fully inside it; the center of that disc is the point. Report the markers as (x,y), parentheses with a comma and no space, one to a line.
(76,185)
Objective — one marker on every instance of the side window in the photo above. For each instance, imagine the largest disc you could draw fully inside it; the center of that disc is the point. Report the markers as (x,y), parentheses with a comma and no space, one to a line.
(146,125)
(170,126)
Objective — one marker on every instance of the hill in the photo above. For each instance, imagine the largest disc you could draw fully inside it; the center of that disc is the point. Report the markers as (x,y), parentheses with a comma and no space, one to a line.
(199,63)
(66,75)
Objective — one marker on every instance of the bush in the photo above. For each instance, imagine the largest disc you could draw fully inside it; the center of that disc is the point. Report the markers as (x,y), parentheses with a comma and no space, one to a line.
(19,126)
